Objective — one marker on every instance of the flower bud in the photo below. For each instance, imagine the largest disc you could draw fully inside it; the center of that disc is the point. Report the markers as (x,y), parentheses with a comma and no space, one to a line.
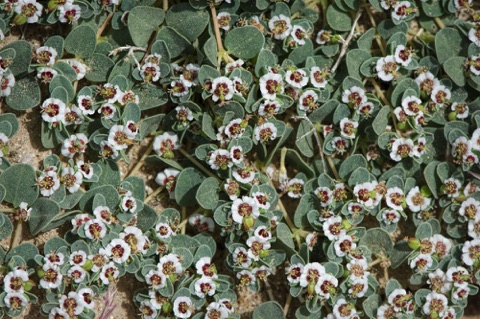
(20,19)
(413,243)
(248,222)
(167,307)
(88,265)
(452,116)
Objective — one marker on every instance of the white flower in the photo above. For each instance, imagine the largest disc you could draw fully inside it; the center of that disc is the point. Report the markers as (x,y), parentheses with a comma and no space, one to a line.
(470,208)
(262,200)
(109,273)
(6,84)
(461,109)
(244,176)
(77,273)
(362,192)
(435,303)
(355,96)
(53,110)
(75,144)
(462,3)
(324,195)
(295,187)
(246,206)
(265,132)
(150,72)
(294,273)
(470,255)
(394,198)
(129,204)
(78,258)
(412,105)
(452,187)
(323,37)
(43,55)
(170,264)
(246,278)
(57,313)
(297,78)
(148,310)
(52,276)
(348,128)
(332,228)
(206,268)
(262,232)
(111,93)
(204,286)
(343,309)
(184,115)
(440,95)
(14,280)
(69,13)
(318,77)
(416,201)
(71,179)
(390,216)
(422,262)
(30,9)
(269,108)
(79,68)
(183,307)
(119,137)
(134,237)
(256,246)
(358,287)
(119,250)
(299,34)
(311,273)
(387,68)
(216,310)
(402,148)
(280,26)
(475,65)
(344,244)
(236,154)
(48,183)
(426,81)
(270,85)
(85,297)
(358,268)
(234,129)
(201,223)
(165,143)
(308,101)
(475,140)
(220,159)
(15,300)
(222,89)
(45,74)
(326,286)
(474,228)
(401,10)
(224,20)
(164,231)
(95,229)
(156,278)
(240,257)
(127,97)
(403,55)
(474,36)
(178,89)
(237,64)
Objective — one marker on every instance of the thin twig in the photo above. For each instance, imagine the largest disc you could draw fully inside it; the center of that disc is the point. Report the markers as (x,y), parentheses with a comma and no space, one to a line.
(109,304)
(317,139)
(165,5)
(131,50)
(184,219)
(17,235)
(198,164)
(155,193)
(286,308)
(269,290)
(104,24)
(142,160)
(347,42)
(374,24)
(439,22)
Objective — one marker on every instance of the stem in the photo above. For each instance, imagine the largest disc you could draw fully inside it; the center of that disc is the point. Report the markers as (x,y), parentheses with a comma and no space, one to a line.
(165,5)
(269,290)
(216,28)
(142,160)
(198,164)
(384,100)
(184,220)
(8,210)
(439,22)
(347,42)
(104,25)
(333,168)
(374,24)
(154,194)
(317,138)
(375,262)
(17,235)
(286,308)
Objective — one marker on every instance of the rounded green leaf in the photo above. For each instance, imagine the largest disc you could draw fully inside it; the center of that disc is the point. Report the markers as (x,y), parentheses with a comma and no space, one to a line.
(270,309)
(21,58)
(449,43)
(25,94)
(188,181)
(20,184)
(81,41)
(245,42)
(43,212)
(142,21)
(338,19)
(187,21)
(455,69)
(207,193)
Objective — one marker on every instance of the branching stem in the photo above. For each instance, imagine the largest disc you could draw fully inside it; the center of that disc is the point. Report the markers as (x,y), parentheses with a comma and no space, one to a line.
(154,194)
(104,24)
(345,44)
(140,163)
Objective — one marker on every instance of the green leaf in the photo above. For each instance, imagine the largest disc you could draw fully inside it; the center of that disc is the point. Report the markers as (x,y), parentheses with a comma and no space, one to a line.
(377,241)
(455,69)
(21,59)
(449,43)
(188,181)
(12,120)
(177,43)
(109,192)
(81,41)
(56,42)
(187,21)
(424,230)
(25,94)
(99,66)
(207,194)
(338,19)
(20,184)
(26,251)
(43,212)
(6,228)
(350,164)
(110,173)
(381,120)
(355,59)
(142,21)
(269,309)
(54,244)
(245,42)
(265,59)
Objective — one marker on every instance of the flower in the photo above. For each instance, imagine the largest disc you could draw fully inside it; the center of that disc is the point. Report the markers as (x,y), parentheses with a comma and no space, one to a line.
(452,187)
(348,128)
(403,55)
(77,273)
(244,176)
(387,68)
(402,10)
(295,187)
(344,244)
(48,183)
(79,68)
(395,198)
(363,192)
(111,93)
(57,313)
(436,304)
(170,264)
(332,228)
(28,11)
(308,101)
(129,204)
(148,310)
(184,115)
(14,280)
(293,273)
(416,201)
(299,34)
(75,144)
(201,223)
(427,81)
(358,268)
(183,307)
(119,250)
(280,26)
(344,309)
(134,237)
(390,216)
(15,300)
(257,245)
(167,178)
(52,277)
(324,195)
(6,84)
(318,77)
(206,268)
(240,257)
(269,108)
(474,36)
(460,109)
(156,278)
(235,128)
(470,208)
(265,132)
(165,144)
(53,110)
(311,273)
(120,137)
(244,207)
(440,95)
(402,148)
(150,72)
(297,78)
(45,74)
(127,97)
(412,105)
(204,286)
(69,13)
(109,273)
(355,96)
(270,85)
(326,286)
(216,310)
(224,19)
(422,262)
(222,89)
(220,159)
(470,252)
